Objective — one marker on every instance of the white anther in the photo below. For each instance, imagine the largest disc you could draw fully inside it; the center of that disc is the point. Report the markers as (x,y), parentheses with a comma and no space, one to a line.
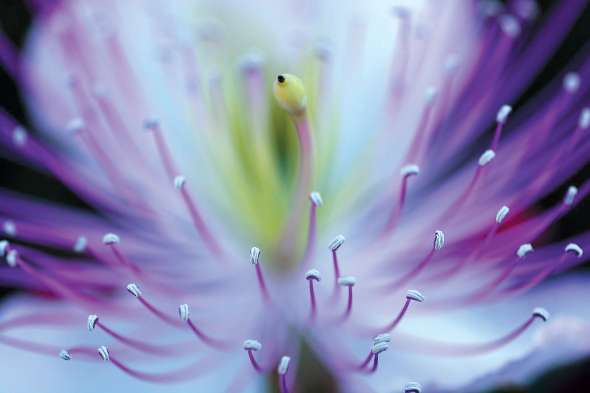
(510,25)
(570,195)
(255,255)
(251,62)
(431,94)
(584,121)
(80,245)
(347,281)
(19,136)
(4,246)
(313,274)
(11,258)
(91,322)
(571,82)
(337,242)
(541,313)
(9,228)
(252,345)
(413,294)
(316,198)
(283,365)
(524,249)
(380,347)
(413,387)
(382,338)
(502,213)
(451,63)
(75,125)
(104,353)
(110,239)
(65,355)
(439,240)
(134,289)
(503,114)
(184,312)
(179,182)
(574,248)
(410,170)
(486,157)
(151,124)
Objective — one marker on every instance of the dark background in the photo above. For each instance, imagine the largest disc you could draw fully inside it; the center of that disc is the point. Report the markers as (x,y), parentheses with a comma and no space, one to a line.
(15,19)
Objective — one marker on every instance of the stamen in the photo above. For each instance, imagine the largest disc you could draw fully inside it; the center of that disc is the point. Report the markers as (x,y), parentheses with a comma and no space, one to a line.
(378,348)
(570,195)
(413,387)
(448,349)
(347,281)
(111,240)
(12,258)
(411,295)
(65,355)
(311,276)
(316,201)
(184,314)
(501,118)
(135,291)
(406,172)
(196,217)
(153,125)
(510,26)
(437,245)
(255,260)
(334,246)
(282,369)
(252,346)
(4,247)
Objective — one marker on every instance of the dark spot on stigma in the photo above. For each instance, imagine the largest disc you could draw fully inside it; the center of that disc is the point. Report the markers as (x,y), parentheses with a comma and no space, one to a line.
(281,78)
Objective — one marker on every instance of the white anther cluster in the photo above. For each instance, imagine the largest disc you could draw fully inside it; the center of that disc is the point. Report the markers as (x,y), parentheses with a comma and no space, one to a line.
(184,312)
(570,195)
(104,353)
(410,170)
(9,228)
(80,244)
(134,289)
(439,240)
(540,312)
(65,355)
(313,274)
(179,182)
(12,258)
(252,345)
(510,25)
(486,157)
(347,281)
(503,113)
(337,242)
(413,294)
(316,198)
(251,62)
(19,136)
(4,247)
(283,365)
(110,238)
(571,82)
(584,121)
(502,213)
(574,248)
(91,322)
(379,347)
(524,249)
(413,387)
(255,255)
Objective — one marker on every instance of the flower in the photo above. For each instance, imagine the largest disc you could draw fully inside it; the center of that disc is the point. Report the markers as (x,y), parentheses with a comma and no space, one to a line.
(394,242)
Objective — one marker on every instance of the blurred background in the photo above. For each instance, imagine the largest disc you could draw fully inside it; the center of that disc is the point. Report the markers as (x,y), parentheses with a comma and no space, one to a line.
(15,20)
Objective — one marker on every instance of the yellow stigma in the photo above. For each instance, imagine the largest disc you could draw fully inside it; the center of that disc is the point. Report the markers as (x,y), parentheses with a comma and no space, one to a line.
(290,93)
